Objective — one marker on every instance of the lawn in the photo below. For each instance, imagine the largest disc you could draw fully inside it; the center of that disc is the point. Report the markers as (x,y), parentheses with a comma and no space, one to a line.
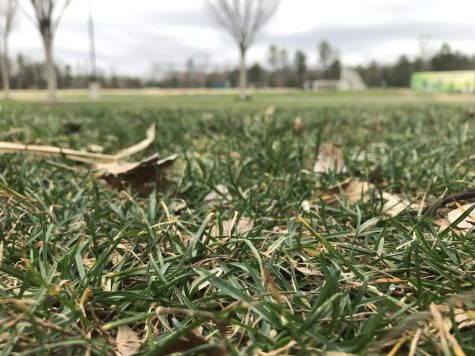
(241,252)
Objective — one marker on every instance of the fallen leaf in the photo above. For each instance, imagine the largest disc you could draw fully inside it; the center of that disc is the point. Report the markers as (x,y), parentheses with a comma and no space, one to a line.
(351,191)
(395,205)
(354,190)
(242,226)
(143,176)
(358,190)
(179,205)
(442,223)
(72,127)
(219,193)
(128,343)
(298,126)
(466,224)
(330,158)
(269,111)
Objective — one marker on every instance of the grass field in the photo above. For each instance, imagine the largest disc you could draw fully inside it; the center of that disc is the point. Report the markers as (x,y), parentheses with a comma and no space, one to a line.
(80,261)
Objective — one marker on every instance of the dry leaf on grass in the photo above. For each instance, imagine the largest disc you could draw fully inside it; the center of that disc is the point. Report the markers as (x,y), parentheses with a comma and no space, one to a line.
(72,127)
(242,226)
(442,223)
(143,176)
(395,205)
(298,125)
(219,193)
(466,224)
(353,191)
(269,111)
(128,343)
(330,158)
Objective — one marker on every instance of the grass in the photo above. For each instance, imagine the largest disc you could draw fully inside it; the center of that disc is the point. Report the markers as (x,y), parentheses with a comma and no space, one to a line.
(80,259)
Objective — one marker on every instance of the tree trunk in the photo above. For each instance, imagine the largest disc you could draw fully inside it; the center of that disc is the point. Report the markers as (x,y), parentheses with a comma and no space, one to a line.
(5,72)
(50,70)
(243,76)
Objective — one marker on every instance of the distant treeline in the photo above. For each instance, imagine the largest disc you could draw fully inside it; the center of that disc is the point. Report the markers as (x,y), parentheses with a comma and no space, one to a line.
(399,73)
(280,70)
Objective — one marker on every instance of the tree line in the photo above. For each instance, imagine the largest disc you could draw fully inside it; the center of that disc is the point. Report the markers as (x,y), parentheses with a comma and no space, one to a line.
(281,68)
(398,74)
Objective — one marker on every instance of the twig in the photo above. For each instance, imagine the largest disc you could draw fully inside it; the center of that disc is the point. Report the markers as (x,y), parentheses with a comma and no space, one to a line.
(74,155)
(469,194)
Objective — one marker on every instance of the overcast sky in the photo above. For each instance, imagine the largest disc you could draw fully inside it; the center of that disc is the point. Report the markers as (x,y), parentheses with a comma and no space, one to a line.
(131,35)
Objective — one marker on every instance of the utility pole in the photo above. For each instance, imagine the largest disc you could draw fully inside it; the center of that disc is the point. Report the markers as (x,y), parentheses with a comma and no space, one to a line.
(94,85)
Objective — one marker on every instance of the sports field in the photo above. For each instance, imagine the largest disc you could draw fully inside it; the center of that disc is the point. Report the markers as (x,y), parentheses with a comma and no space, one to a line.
(270,234)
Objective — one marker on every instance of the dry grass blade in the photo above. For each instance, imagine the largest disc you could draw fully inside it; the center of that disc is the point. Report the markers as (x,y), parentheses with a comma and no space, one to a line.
(128,343)
(88,157)
(42,150)
(139,146)
(444,334)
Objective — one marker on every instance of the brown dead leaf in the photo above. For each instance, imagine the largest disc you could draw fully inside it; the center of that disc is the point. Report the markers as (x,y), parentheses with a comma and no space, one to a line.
(466,224)
(395,205)
(219,193)
(376,175)
(179,205)
(354,190)
(442,223)
(269,111)
(72,127)
(128,343)
(143,176)
(351,191)
(298,125)
(330,158)
(242,226)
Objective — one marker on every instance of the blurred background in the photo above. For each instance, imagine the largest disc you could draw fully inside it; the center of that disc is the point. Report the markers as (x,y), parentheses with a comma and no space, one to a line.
(302,45)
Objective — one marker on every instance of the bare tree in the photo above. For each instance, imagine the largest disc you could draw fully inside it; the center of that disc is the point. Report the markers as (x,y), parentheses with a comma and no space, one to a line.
(94,84)
(7,17)
(47,15)
(243,19)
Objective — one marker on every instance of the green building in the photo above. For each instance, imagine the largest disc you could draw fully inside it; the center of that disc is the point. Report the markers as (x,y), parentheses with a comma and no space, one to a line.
(461,81)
